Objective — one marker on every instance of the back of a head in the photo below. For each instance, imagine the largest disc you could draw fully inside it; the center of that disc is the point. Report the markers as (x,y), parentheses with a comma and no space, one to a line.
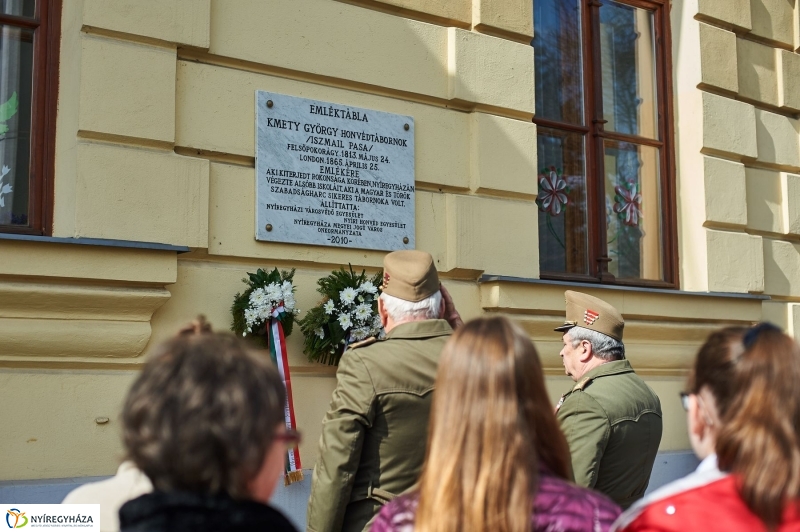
(715,365)
(491,416)
(753,375)
(202,415)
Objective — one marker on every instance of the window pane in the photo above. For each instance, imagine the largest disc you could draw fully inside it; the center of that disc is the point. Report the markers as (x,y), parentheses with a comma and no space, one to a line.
(628,62)
(633,211)
(16,62)
(563,231)
(19,8)
(557,60)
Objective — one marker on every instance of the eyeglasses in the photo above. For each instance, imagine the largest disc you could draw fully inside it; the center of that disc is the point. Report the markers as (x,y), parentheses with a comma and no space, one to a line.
(685,404)
(290,438)
(685,400)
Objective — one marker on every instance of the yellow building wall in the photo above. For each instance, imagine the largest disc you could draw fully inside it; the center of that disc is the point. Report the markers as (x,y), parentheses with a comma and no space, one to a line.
(743,161)
(155,143)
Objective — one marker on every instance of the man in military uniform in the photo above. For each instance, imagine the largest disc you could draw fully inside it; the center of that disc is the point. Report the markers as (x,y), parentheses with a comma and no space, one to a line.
(373,436)
(611,418)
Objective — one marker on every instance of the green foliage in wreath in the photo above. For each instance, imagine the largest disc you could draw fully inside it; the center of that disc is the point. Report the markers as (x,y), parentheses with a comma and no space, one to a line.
(347,313)
(266,291)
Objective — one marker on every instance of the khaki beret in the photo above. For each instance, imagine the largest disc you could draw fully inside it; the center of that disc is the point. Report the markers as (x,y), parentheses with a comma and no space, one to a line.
(592,313)
(410,275)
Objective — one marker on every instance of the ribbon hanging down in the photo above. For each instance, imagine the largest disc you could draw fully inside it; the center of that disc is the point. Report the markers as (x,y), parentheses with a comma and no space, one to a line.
(277,350)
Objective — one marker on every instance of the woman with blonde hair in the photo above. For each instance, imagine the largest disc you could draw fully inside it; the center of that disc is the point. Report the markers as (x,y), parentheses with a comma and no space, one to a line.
(496,458)
(743,406)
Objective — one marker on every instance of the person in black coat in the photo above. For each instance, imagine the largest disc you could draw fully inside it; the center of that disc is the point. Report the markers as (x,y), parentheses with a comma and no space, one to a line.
(205,422)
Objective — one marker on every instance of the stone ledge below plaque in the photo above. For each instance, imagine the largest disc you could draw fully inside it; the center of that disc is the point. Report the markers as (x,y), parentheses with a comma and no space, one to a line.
(45,325)
(79,306)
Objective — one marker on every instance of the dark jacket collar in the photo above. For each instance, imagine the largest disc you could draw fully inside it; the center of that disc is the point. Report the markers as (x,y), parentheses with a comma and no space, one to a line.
(420,329)
(185,512)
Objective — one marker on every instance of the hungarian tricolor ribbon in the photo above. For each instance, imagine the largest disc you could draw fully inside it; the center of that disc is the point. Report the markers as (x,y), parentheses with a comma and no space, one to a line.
(277,351)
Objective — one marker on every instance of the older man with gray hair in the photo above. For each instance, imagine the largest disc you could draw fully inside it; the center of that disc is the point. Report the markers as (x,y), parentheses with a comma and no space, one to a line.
(373,436)
(611,418)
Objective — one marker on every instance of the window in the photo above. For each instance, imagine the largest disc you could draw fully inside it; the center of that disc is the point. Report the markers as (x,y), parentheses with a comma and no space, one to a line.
(606,185)
(29,36)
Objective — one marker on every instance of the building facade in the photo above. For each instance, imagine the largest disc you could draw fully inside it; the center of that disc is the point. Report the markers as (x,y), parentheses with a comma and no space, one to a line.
(645,151)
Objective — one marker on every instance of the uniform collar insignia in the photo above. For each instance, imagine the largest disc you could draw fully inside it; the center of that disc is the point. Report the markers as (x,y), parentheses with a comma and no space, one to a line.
(581,385)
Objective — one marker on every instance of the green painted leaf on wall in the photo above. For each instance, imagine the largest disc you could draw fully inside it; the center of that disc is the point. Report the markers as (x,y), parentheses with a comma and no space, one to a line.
(7,110)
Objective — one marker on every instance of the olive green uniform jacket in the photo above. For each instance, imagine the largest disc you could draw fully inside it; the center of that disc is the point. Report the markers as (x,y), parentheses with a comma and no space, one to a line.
(612,422)
(374,434)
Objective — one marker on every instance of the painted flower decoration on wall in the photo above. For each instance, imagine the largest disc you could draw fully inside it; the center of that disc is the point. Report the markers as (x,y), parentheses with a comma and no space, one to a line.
(628,204)
(553,191)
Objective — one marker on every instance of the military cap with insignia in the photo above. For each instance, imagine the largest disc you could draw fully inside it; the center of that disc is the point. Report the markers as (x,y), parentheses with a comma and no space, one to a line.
(592,313)
(409,275)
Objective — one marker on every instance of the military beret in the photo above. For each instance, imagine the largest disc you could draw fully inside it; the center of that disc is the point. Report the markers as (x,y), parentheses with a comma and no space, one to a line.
(592,313)
(409,275)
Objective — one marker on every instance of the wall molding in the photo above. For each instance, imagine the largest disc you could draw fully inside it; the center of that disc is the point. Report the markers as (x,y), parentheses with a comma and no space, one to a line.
(663,328)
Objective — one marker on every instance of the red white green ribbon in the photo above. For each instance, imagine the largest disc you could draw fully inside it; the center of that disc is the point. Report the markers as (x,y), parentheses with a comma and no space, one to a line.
(277,350)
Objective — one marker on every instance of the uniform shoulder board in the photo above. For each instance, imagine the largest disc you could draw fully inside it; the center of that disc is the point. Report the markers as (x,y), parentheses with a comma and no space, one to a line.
(363,343)
(581,385)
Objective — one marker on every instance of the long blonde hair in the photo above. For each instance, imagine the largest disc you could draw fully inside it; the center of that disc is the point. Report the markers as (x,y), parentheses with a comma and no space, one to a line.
(492,428)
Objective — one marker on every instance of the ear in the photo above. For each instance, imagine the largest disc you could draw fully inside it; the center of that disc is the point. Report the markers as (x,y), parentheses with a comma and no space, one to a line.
(587,353)
(442,308)
(382,312)
(697,419)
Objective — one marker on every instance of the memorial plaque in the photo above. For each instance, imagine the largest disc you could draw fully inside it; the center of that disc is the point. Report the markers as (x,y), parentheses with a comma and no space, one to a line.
(333,175)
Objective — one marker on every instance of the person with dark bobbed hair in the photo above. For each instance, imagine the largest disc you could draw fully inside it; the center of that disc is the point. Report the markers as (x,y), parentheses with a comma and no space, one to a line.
(205,422)
(743,410)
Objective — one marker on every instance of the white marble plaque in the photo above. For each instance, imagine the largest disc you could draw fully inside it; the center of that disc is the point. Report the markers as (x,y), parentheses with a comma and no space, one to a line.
(333,175)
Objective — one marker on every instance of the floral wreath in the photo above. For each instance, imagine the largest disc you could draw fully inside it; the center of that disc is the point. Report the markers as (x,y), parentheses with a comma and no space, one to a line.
(347,313)
(269,295)
(267,310)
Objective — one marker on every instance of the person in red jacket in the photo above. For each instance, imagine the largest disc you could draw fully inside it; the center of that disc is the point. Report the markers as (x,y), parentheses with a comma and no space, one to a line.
(743,410)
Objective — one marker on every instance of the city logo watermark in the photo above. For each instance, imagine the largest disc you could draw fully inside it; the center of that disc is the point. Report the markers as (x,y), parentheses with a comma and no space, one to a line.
(17,515)
(49,517)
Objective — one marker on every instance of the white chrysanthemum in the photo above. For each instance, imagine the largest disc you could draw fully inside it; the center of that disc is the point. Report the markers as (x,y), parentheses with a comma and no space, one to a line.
(250,317)
(320,332)
(329,306)
(288,301)
(257,297)
(274,292)
(363,312)
(345,321)
(376,322)
(367,287)
(286,287)
(358,334)
(347,296)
